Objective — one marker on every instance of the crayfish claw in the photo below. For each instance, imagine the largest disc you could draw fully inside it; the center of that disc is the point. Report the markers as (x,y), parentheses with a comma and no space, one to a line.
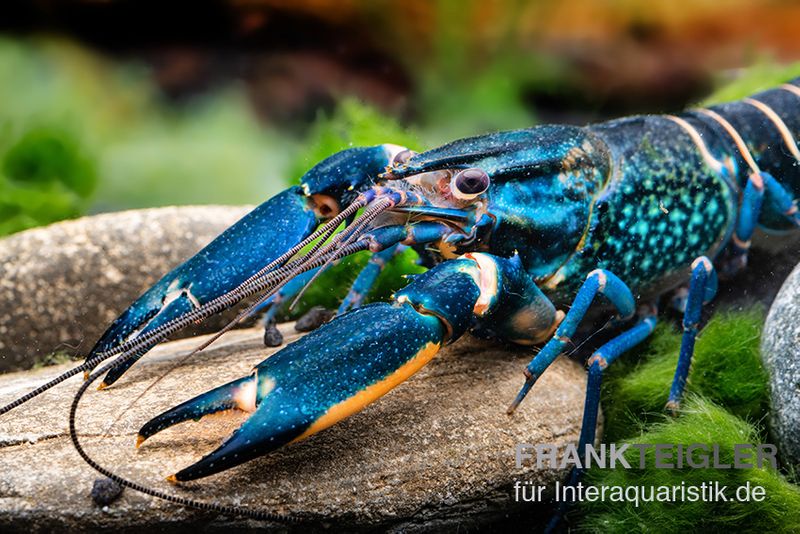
(340,368)
(319,380)
(236,395)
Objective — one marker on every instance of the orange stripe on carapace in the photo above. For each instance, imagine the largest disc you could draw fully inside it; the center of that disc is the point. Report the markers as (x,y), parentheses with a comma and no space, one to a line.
(371,393)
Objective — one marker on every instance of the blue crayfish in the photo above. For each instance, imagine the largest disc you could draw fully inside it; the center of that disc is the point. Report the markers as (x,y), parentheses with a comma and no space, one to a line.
(514,227)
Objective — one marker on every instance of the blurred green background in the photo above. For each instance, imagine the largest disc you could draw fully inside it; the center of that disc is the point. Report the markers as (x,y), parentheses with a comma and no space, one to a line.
(113,105)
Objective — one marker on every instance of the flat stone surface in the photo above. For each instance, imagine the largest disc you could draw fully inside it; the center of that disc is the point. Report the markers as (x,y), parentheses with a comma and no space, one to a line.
(437,452)
(63,284)
(780,350)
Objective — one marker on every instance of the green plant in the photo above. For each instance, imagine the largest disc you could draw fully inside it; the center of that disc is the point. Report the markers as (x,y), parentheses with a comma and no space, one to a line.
(726,404)
(54,358)
(701,421)
(726,369)
(47,174)
(352,123)
(88,134)
(760,76)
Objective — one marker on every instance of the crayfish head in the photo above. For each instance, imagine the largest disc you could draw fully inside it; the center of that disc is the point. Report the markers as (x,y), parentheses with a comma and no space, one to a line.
(543,182)
(445,206)
(511,155)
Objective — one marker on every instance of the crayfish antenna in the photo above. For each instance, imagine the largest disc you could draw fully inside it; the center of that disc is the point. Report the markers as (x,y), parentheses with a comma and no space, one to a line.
(320,255)
(182,501)
(82,368)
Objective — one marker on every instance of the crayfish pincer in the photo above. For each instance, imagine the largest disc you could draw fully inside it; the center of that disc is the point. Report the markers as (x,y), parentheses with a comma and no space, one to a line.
(515,227)
(336,370)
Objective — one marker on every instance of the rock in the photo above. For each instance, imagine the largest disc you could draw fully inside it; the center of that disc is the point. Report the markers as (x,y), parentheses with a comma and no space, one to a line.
(62,285)
(437,452)
(314,318)
(105,491)
(272,335)
(780,349)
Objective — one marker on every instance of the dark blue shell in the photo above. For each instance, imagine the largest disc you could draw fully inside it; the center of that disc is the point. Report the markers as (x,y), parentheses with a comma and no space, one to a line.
(662,207)
(765,143)
(640,196)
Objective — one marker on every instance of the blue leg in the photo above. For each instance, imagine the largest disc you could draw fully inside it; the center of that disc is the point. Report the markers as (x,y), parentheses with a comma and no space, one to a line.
(702,288)
(367,277)
(752,200)
(757,186)
(273,305)
(781,198)
(597,282)
(597,363)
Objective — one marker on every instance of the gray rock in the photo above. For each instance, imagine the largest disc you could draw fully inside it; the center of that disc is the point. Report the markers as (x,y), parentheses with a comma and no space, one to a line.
(105,491)
(436,452)
(314,318)
(780,350)
(62,285)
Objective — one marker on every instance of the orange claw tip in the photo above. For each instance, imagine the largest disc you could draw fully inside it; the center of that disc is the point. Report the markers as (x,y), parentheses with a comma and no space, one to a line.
(139,440)
(102,386)
(172,480)
(85,376)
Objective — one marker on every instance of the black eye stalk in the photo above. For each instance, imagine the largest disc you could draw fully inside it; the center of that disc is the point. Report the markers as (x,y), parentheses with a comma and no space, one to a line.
(469,183)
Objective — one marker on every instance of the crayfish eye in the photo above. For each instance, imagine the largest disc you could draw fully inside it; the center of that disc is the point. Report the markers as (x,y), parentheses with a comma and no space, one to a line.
(469,183)
(402,157)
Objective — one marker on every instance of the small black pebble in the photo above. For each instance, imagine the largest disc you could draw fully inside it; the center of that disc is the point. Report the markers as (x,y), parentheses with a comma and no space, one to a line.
(105,491)
(272,336)
(314,318)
